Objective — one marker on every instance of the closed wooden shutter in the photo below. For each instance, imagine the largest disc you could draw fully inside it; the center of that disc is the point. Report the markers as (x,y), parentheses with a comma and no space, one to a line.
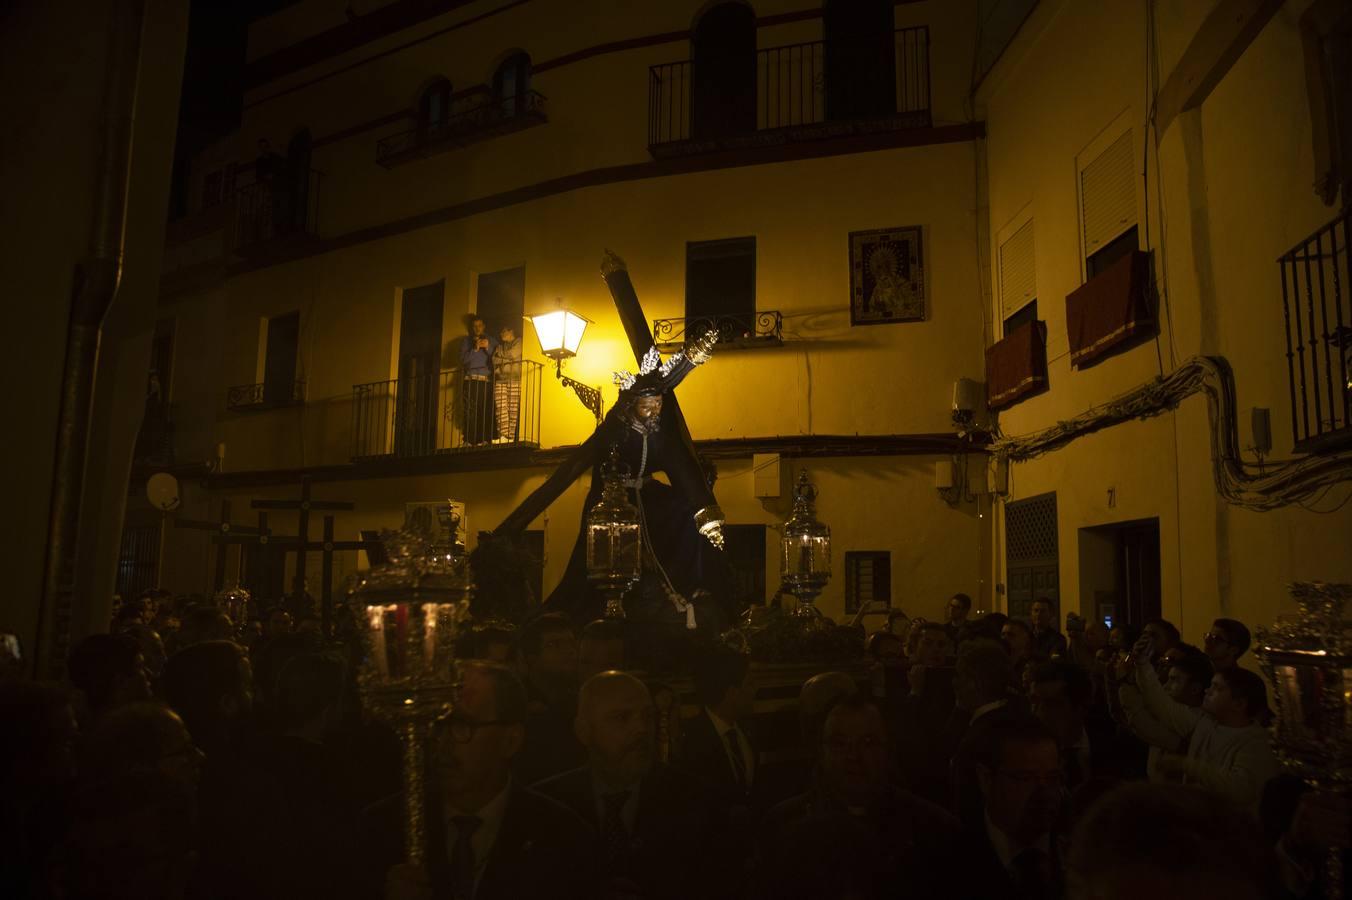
(868,578)
(1018,278)
(1108,195)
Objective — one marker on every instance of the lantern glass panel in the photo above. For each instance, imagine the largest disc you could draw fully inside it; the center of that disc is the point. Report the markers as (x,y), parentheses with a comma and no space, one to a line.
(613,547)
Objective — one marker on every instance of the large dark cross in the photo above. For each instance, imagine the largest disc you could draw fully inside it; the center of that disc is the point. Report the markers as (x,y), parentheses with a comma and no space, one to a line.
(226,533)
(300,544)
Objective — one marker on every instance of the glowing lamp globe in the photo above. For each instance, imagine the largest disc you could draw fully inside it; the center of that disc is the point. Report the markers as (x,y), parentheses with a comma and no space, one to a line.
(560,333)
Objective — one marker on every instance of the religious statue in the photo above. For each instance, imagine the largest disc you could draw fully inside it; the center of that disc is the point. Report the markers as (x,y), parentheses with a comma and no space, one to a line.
(686,580)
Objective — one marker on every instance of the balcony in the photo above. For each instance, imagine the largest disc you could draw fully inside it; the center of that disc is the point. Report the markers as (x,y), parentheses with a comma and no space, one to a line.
(1317,305)
(798,92)
(427,415)
(275,216)
(759,329)
(265,395)
(485,120)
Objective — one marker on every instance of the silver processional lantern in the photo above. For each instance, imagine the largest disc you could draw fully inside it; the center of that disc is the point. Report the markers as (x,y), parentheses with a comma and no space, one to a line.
(805,550)
(408,612)
(614,540)
(1307,657)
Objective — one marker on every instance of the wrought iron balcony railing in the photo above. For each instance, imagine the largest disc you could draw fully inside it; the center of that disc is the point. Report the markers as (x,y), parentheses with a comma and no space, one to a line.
(759,329)
(423,415)
(265,395)
(800,92)
(281,208)
(1317,305)
(491,118)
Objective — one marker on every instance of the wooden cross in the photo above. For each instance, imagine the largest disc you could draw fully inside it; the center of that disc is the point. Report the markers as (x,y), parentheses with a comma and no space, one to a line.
(300,544)
(226,533)
(327,547)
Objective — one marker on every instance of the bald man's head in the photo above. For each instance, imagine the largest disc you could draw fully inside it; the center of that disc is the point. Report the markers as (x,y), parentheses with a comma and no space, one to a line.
(615,723)
(817,696)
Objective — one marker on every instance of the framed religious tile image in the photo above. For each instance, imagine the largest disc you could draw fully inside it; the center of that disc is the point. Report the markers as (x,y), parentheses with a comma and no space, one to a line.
(887,276)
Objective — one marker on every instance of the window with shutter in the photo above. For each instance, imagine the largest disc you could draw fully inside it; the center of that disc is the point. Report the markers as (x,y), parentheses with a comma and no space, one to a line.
(868,578)
(1108,195)
(1018,280)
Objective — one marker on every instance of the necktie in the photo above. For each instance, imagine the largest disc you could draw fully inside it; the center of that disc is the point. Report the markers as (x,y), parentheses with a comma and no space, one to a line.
(738,761)
(462,856)
(613,831)
(1033,876)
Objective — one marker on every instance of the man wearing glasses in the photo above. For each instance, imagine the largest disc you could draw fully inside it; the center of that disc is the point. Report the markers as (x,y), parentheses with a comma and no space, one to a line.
(487,836)
(1024,796)
(1226,642)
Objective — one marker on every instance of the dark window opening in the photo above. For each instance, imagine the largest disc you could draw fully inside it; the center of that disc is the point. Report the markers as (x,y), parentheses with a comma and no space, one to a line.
(723,95)
(280,361)
(1026,313)
(860,58)
(868,579)
(720,281)
(138,561)
(511,83)
(211,189)
(434,107)
(1120,246)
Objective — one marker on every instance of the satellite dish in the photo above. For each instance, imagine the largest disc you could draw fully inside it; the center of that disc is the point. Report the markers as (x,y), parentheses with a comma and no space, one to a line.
(162,491)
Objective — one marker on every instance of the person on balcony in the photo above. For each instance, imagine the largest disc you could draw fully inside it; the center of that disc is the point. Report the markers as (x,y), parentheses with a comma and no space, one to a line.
(476,367)
(507,384)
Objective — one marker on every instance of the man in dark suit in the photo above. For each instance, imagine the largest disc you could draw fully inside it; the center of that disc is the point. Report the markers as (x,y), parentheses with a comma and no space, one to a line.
(984,688)
(487,837)
(716,747)
(549,655)
(1014,851)
(921,720)
(660,836)
(854,832)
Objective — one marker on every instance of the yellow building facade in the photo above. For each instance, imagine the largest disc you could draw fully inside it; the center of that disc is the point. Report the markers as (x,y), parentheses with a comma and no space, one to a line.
(413,178)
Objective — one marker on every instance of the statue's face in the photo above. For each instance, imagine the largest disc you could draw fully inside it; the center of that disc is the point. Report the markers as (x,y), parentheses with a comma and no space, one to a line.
(646,412)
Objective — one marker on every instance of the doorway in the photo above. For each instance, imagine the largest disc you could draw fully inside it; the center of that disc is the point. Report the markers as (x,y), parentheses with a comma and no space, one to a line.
(861,65)
(1120,572)
(723,81)
(502,300)
(1032,570)
(416,411)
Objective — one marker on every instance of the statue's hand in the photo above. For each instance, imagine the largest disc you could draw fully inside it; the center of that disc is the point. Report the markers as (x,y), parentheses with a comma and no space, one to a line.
(710,521)
(701,348)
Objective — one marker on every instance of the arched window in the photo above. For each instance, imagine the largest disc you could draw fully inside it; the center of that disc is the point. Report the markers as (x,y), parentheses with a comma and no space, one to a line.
(434,106)
(511,85)
(860,58)
(723,95)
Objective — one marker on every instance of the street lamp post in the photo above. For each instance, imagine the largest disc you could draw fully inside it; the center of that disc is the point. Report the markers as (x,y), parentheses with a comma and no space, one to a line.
(560,332)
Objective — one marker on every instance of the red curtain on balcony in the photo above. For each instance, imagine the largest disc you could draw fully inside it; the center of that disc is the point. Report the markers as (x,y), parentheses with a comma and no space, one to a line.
(1111,307)
(1016,366)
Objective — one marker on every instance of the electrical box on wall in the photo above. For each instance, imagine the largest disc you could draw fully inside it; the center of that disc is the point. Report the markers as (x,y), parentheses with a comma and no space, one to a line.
(968,395)
(997,475)
(943,474)
(767,473)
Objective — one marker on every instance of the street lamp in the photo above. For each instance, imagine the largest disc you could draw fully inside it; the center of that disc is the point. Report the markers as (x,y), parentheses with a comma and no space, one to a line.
(805,558)
(560,332)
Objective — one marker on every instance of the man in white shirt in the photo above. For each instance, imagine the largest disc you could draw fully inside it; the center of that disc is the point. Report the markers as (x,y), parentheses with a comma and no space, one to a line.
(1189,677)
(1229,749)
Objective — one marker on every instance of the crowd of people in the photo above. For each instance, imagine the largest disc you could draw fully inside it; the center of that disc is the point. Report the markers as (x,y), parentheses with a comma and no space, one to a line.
(189,756)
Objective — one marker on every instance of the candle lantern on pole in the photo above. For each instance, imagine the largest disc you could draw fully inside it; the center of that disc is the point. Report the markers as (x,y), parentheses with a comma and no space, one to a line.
(1307,657)
(408,611)
(805,557)
(614,539)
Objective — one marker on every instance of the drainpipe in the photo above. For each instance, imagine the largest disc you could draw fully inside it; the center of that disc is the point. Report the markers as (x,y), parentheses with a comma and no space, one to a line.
(95,286)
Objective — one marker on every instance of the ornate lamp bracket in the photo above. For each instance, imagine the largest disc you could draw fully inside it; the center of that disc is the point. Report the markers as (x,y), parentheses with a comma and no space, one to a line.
(590,396)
